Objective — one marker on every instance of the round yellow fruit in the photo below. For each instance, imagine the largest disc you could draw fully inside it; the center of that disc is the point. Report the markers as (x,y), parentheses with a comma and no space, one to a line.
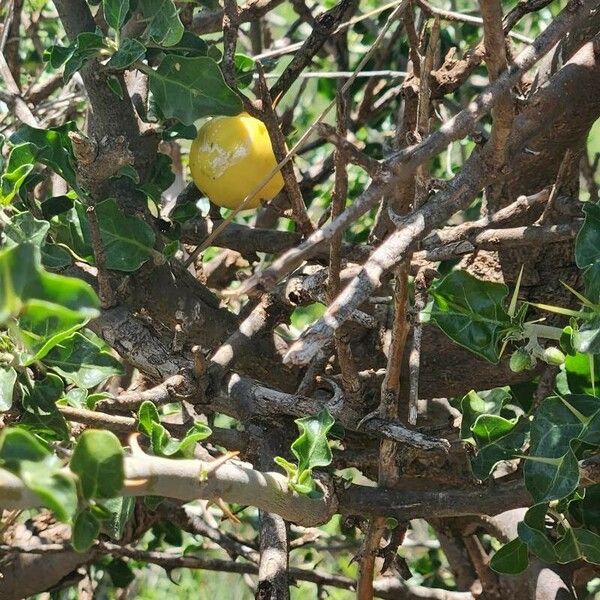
(230,157)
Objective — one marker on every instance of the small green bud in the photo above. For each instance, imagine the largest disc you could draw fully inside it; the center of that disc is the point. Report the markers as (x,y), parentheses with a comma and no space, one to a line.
(553,356)
(520,361)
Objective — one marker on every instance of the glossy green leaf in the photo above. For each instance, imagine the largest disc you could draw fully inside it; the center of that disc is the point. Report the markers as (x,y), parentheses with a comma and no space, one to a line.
(471,312)
(8,378)
(475,403)
(586,509)
(511,559)
(85,530)
(98,462)
(489,428)
(114,83)
(161,441)
(188,89)
(501,448)
(56,205)
(549,479)
(17,445)
(55,256)
(311,448)
(130,51)
(578,543)
(115,13)
(532,530)
(164,25)
(290,469)
(82,362)
(575,376)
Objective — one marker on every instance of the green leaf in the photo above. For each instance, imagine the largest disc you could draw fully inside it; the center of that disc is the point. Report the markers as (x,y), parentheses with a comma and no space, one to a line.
(576,377)
(129,52)
(164,25)
(161,441)
(587,251)
(98,461)
(189,45)
(86,48)
(120,572)
(179,131)
(85,530)
(49,306)
(159,178)
(20,164)
(82,362)
(311,448)
(55,256)
(501,448)
(52,148)
(121,509)
(40,396)
(489,428)
(188,88)
(511,559)
(8,377)
(479,403)
(51,427)
(147,417)
(58,55)
(549,479)
(17,445)
(115,86)
(22,453)
(244,70)
(532,530)
(586,337)
(577,544)
(24,227)
(56,490)
(471,312)
(56,205)
(587,509)
(290,469)
(115,13)
(128,241)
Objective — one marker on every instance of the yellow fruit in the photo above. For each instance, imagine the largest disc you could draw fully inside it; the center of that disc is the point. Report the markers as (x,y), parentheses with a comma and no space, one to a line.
(230,157)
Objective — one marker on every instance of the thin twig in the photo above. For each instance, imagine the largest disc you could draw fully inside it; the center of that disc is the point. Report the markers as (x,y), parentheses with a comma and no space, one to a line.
(230,34)
(350,381)
(325,25)
(496,61)
(287,170)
